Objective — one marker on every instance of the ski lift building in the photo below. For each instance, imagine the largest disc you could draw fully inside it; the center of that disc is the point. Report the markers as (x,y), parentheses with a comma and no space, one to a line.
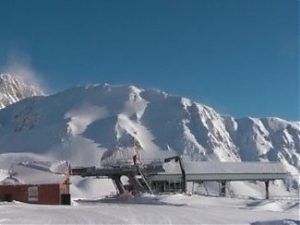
(33,183)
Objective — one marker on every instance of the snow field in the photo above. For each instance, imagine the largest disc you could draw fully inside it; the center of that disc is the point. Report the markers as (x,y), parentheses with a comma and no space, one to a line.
(164,209)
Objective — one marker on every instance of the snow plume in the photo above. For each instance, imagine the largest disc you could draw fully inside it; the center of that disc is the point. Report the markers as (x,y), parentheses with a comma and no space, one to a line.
(19,64)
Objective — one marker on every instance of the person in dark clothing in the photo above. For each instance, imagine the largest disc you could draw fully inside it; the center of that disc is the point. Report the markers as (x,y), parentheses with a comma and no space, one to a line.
(134,159)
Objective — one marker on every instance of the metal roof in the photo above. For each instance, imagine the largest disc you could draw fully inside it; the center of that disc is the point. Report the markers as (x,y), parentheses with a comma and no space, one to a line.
(218,171)
(195,171)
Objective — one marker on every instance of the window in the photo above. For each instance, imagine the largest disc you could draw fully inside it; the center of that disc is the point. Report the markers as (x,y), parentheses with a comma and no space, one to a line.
(33,194)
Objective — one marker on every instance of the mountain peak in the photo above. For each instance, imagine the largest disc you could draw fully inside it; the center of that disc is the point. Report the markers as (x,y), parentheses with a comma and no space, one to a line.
(13,89)
(85,124)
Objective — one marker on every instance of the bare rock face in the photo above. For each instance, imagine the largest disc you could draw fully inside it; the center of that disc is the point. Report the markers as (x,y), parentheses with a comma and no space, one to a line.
(14,89)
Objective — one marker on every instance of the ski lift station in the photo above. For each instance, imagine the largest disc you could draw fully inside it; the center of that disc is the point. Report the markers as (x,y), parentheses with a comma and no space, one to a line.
(45,182)
(37,182)
(173,174)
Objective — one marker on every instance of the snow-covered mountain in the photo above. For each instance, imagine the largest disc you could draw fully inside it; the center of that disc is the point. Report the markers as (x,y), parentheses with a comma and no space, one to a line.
(82,123)
(14,89)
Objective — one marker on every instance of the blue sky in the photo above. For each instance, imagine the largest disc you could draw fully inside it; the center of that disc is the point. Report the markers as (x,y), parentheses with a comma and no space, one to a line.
(240,57)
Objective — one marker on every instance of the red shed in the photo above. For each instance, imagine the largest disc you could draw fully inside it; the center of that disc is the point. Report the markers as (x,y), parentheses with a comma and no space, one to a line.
(37,182)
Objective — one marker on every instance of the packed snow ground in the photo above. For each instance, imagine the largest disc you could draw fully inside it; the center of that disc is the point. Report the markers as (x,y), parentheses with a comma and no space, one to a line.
(164,209)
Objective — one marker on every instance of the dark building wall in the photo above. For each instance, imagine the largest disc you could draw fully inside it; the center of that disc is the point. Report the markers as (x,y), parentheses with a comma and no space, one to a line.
(14,192)
(49,194)
(46,193)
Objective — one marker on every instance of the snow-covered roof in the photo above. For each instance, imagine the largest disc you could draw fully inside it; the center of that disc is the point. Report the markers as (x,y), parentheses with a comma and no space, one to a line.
(37,173)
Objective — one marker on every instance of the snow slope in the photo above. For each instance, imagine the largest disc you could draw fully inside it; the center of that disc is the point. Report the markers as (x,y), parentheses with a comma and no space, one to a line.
(84,122)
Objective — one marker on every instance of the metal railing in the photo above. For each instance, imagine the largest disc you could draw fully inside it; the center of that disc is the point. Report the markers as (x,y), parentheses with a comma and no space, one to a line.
(125,162)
